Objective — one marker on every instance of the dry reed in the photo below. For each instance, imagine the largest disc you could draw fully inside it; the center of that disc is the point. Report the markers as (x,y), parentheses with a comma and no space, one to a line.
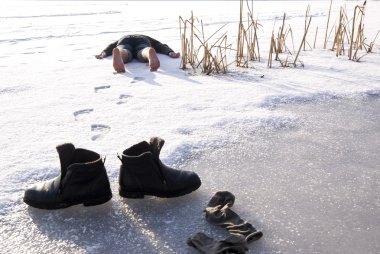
(315,38)
(278,46)
(272,49)
(247,41)
(327,26)
(280,39)
(307,14)
(341,31)
(353,37)
(198,51)
(369,47)
(303,40)
(358,42)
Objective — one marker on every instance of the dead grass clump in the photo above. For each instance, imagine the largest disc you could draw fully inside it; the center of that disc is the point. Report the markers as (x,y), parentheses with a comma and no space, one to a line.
(353,37)
(247,44)
(358,30)
(198,51)
(279,45)
(187,41)
(340,33)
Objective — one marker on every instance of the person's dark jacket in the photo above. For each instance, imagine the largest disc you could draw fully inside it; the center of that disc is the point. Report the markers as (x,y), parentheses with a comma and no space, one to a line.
(158,46)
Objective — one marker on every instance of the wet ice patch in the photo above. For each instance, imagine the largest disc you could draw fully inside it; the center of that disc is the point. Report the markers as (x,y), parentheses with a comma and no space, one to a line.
(272,102)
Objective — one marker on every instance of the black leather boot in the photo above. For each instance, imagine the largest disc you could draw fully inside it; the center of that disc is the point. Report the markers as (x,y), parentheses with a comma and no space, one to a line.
(143,173)
(83,180)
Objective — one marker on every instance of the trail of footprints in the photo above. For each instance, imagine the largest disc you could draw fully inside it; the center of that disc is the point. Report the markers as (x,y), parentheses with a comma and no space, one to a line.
(100,130)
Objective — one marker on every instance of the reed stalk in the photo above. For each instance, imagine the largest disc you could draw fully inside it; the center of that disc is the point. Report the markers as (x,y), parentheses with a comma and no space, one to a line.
(315,38)
(358,11)
(327,25)
(271,49)
(305,32)
(280,38)
(303,40)
(371,44)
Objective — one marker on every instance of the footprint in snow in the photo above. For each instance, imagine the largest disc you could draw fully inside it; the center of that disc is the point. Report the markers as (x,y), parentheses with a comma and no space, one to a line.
(99,131)
(99,88)
(123,98)
(80,114)
(137,79)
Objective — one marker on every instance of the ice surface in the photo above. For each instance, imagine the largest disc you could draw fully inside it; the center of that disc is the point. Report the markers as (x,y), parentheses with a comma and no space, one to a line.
(312,187)
(53,90)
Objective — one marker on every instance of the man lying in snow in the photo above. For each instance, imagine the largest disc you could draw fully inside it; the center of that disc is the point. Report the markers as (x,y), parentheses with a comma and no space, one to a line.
(140,47)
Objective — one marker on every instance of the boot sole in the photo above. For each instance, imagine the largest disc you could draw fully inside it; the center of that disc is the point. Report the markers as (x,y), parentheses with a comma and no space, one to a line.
(142,194)
(88,202)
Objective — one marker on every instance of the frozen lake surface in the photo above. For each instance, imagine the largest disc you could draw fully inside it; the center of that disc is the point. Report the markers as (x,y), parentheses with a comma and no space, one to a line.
(311,186)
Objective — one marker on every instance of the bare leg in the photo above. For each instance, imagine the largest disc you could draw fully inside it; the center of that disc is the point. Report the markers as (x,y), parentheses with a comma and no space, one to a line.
(150,55)
(119,57)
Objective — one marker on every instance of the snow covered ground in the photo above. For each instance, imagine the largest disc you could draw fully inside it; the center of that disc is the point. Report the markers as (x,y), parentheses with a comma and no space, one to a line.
(53,90)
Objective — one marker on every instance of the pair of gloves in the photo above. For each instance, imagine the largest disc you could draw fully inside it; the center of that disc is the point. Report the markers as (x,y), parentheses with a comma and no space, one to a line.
(219,213)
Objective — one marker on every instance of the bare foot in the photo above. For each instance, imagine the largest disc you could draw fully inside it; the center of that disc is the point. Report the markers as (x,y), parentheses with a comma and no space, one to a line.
(154,63)
(174,54)
(118,63)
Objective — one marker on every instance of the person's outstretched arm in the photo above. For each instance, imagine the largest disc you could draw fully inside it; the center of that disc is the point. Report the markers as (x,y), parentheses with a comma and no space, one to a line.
(163,48)
(107,51)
